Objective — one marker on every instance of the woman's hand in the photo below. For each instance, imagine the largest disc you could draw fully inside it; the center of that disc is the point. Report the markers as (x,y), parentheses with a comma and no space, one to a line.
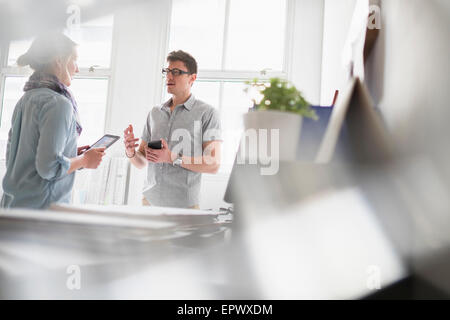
(81,150)
(93,157)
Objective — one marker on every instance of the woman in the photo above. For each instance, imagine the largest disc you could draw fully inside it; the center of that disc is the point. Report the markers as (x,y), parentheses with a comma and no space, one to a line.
(41,154)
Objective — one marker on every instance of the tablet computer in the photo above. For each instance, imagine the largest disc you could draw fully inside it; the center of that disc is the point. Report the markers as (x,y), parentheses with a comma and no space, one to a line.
(105,142)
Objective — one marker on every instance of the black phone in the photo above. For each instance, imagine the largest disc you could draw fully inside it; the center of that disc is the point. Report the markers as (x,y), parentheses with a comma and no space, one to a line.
(156,144)
(105,142)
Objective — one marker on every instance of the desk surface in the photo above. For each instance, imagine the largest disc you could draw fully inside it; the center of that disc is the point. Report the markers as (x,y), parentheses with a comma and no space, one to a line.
(320,248)
(36,258)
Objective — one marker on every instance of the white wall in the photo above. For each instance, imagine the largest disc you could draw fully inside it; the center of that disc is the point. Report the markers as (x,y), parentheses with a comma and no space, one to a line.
(409,66)
(337,19)
(305,65)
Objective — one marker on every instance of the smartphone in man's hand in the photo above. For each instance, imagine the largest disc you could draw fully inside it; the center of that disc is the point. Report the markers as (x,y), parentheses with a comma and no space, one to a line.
(156,144)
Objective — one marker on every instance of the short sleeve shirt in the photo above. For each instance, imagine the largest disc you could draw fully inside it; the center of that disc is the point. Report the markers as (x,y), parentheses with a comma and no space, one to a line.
(185,129)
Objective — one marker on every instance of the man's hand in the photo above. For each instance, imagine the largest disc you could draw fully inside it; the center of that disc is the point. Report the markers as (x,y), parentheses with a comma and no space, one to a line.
(159,155)
(81,150)
(130,141)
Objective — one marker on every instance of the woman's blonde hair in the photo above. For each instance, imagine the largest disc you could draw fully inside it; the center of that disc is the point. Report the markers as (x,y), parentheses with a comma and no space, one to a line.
(45,49)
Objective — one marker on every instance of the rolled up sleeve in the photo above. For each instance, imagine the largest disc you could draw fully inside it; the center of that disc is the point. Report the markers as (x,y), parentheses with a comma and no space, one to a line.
(55,123)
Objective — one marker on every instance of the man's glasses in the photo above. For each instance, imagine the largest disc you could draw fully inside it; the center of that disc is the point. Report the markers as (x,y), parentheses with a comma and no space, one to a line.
(175,72)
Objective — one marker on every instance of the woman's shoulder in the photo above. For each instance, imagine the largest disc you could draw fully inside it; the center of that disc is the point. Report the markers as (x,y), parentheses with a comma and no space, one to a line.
(43,101)
(45,95)
(47,98)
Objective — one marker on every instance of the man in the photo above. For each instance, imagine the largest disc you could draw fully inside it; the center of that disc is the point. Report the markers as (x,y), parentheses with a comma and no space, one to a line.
(190,133)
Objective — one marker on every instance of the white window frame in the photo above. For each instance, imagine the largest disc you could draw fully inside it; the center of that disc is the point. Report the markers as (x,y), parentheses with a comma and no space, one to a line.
(224,75)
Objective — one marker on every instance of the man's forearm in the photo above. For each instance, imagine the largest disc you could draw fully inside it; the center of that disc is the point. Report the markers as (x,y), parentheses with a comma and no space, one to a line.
(138,160)
(205,164)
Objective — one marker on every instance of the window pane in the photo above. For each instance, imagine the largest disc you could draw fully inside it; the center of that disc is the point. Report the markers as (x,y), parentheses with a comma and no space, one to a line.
(256,35)
(197,27)
(94,38)
(207,92)
(91,97)
(16,49)
(235,104)
(13,92)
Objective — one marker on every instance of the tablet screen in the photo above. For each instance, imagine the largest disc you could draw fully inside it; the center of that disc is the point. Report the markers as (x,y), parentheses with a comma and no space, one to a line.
(105,142)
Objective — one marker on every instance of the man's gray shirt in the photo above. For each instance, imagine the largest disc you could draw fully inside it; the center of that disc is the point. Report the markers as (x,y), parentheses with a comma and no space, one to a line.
(185,129)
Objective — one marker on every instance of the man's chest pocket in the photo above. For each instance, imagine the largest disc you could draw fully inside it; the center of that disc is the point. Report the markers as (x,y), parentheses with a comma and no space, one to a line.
(160,131)
(189,134)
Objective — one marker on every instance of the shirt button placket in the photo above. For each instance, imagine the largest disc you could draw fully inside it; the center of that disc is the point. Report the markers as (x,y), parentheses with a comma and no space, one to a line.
(169,129)
(171,119)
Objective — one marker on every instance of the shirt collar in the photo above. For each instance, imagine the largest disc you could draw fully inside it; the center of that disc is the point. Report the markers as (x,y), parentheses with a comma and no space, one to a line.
(188,104)
(166,105)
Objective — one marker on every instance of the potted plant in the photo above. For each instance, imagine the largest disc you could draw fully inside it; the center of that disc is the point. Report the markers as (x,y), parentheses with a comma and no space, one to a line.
(278,105)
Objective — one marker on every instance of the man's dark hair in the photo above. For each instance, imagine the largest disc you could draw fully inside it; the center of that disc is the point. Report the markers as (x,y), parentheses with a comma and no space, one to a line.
(186,58)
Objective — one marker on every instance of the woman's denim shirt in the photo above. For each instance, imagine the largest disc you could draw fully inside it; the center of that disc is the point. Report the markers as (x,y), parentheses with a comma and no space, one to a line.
(41,140)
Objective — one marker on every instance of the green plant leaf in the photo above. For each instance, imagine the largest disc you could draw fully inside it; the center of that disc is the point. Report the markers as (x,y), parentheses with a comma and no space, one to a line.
(280,94)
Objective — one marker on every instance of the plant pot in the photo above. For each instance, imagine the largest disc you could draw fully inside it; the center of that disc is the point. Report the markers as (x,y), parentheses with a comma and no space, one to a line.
(288,125)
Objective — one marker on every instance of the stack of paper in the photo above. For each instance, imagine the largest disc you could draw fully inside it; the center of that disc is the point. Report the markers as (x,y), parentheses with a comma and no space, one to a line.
(177,215)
